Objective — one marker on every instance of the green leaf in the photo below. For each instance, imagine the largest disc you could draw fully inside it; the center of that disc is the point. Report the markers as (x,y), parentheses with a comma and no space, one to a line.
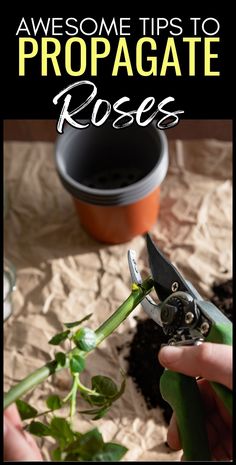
(91,447)
(39,429)
(94,400)
(61,430)
(77,323)
(121,390)
(77,364)
(87,445)
(60,358)
(102,412)
(56,455)
(98,412)
(60,337)
(107,389)
(71,458)
(25,410)
(111,453)
(54,402)
(85,339)
(91,411)
(105,386)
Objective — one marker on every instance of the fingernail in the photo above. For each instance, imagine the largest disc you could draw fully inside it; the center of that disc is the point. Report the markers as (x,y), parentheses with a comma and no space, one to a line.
(169,354)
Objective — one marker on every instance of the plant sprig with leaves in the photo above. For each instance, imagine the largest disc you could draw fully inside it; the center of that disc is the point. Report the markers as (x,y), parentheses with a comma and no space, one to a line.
(72,445)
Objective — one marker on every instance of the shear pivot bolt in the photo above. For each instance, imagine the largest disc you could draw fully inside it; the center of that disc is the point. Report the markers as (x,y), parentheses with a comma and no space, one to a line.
(175,286)
(168,313)
(189,317)
(205,327)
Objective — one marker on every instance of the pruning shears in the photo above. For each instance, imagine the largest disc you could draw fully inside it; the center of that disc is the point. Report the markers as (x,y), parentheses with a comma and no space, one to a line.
(187,319)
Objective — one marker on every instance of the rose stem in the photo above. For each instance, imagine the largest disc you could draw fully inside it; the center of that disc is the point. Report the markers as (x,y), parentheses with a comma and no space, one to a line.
(39,375)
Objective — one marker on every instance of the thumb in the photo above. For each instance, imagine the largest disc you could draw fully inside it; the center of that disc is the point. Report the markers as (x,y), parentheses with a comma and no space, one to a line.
(18,446)
(208,360)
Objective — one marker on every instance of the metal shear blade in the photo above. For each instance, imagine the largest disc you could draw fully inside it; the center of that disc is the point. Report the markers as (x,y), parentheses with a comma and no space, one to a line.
(167,278)
(148,304)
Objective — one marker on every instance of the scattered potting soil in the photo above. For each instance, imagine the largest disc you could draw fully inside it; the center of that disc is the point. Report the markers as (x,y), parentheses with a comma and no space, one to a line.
(223,297)
(143,364)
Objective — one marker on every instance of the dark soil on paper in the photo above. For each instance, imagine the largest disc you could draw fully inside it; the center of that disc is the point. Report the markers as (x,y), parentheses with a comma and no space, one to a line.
(223,297)
(143,364)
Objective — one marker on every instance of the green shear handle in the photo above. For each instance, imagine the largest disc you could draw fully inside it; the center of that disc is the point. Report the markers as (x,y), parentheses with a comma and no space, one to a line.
(182,393)
(221,333)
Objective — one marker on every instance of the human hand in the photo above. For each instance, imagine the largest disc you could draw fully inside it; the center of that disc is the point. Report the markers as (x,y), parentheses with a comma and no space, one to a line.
(212,362)
(18,444)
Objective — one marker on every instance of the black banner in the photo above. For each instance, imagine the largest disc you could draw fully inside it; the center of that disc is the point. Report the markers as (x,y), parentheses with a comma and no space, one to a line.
(187,58)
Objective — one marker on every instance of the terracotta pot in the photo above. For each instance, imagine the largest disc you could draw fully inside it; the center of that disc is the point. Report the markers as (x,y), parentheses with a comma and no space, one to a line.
(114,176)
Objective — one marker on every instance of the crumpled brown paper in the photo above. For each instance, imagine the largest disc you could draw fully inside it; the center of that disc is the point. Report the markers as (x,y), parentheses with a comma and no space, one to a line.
(63,274)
